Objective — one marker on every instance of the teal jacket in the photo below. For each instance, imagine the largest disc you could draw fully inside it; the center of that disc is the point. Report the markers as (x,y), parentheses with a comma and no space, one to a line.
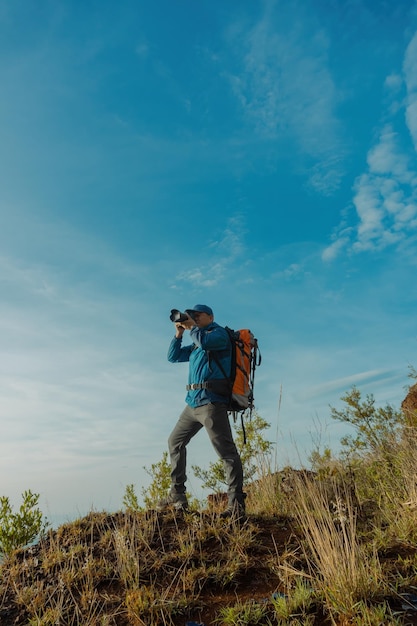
(202,368)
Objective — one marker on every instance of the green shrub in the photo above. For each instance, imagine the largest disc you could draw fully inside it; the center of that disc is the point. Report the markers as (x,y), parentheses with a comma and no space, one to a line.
(130,499)
(22,528)
(160,473)
(376,428)
(251,450)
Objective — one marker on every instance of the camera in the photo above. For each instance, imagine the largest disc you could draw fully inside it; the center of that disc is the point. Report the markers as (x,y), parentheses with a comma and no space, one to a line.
(178,316)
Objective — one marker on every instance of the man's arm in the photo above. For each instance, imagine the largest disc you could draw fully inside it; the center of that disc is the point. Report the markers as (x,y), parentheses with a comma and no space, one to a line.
(210,339)
(176,352)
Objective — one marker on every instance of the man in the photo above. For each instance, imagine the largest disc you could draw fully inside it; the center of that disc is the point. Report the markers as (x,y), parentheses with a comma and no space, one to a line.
(206,406)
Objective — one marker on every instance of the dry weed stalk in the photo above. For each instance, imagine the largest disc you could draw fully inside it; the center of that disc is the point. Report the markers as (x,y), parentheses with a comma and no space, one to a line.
(342,569)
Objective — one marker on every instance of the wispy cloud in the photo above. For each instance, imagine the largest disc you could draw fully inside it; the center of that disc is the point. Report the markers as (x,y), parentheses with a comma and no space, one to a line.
(221,256)
(385,195)
(78,383)
(290,272)
(340,385)
(286,90)
(410,75)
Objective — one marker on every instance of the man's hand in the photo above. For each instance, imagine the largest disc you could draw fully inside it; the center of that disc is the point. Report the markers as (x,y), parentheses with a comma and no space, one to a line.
(188,324)
(182,326)
(179,330)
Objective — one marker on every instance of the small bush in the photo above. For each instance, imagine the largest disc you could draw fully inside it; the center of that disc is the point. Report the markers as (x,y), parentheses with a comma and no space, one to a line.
(252,447)
(22,528)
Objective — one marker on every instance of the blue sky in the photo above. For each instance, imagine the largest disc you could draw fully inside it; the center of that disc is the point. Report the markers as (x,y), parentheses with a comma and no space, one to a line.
(259,157)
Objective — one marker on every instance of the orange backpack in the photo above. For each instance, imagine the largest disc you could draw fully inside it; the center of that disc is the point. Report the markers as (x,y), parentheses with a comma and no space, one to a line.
(245,358)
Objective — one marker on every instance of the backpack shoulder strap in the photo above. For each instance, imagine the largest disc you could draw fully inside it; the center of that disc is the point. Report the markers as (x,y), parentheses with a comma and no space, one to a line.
(212,354)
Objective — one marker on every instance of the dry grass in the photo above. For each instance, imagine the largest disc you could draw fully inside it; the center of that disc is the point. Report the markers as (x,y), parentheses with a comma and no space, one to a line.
(310,558)
(344,569)
(127,568)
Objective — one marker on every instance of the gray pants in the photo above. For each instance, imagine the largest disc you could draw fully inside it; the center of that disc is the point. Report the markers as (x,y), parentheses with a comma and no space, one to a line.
(215,419)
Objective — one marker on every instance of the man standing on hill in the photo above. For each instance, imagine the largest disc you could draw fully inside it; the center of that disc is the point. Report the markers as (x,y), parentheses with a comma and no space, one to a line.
(206,406)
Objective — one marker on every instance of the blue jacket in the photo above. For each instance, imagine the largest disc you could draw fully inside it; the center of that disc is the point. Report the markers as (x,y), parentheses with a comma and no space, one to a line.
(202,369)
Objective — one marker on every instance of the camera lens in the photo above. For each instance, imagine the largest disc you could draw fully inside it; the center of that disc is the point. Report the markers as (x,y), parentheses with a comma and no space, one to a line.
(177,316)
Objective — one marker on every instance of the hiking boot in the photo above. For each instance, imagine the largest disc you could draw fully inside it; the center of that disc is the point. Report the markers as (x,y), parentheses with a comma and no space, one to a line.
(176,503)
(235,511)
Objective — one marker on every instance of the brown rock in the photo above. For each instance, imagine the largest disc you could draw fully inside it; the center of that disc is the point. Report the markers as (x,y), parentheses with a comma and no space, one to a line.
(409,406)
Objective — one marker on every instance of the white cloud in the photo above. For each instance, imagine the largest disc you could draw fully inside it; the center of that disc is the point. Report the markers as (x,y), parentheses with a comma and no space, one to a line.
(385,195)
(410,73)
(207,276)
(285,89)
(340,385)
(410,65)
(367,203)
(394,82)
(335,248)
(386,158)
(221,254)
(291,272)
(411,119)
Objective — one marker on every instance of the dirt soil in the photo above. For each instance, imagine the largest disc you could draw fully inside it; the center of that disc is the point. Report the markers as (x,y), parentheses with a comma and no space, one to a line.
(255,583)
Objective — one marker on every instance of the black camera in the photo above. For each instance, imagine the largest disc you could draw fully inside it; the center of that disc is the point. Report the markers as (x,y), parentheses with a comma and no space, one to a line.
(177,316)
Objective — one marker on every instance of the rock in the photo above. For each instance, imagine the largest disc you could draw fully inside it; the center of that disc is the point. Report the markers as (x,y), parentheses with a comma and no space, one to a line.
(409,406)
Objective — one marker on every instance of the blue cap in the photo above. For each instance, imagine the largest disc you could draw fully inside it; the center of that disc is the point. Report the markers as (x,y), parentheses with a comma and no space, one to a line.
(202,308)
